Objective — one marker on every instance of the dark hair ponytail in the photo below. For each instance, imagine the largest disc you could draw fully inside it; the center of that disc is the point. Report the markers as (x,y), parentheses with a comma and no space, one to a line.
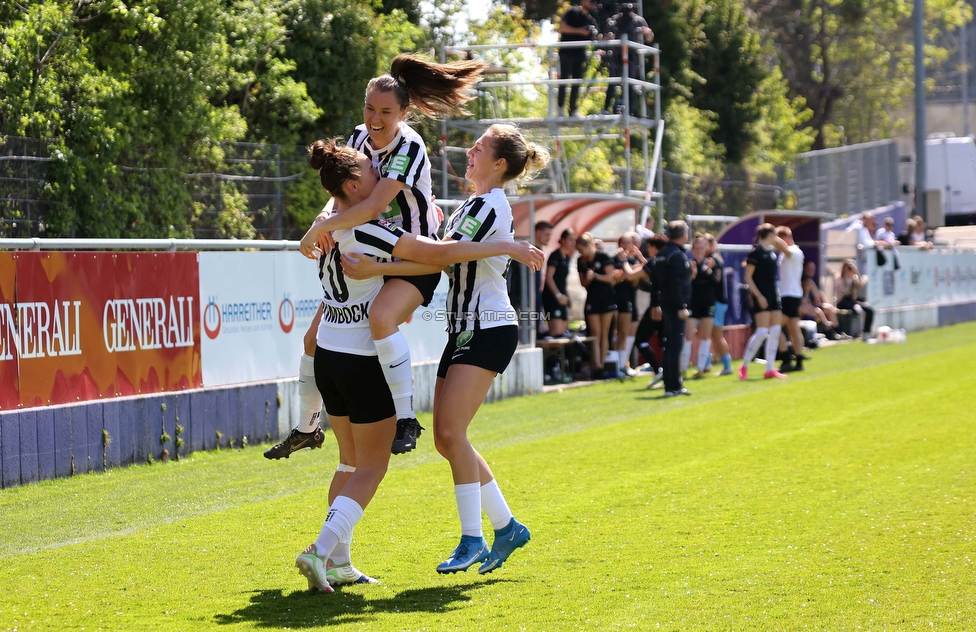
(335,163)
(434,89)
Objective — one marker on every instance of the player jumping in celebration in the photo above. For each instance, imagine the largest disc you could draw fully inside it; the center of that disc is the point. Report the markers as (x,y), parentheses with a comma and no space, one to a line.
(347,371)
(403,198)
(482,338)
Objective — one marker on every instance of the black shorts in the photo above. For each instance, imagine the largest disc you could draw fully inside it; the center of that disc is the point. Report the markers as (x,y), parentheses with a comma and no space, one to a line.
(599,305)
(773,303)
(553,310)
(490,349)
(791,306)
(353,386)
(702,310)
(426,283)
(626,307)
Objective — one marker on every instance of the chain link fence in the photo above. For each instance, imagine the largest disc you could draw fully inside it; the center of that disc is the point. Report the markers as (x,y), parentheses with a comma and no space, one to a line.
(23,175)
(258,180)
(848,180)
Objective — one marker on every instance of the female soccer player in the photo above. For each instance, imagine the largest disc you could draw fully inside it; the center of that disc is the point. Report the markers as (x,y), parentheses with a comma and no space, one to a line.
(404,198)
(719,345)
(704,278)
(629,259)
(760,276)
(555,301)
(482,337)
(357,398)
(598,275)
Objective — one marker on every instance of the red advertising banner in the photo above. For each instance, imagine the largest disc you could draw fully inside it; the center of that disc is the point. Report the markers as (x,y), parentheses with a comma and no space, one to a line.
(79,326)
(9,378)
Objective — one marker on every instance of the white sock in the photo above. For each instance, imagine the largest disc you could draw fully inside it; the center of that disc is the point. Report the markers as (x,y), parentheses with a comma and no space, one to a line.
(468,497)
(495,506)
(755,341)
(309,398)
(685,354)
(704,354)
(628,347)
(772,346)
(394,355)
(344,513)
(341,553)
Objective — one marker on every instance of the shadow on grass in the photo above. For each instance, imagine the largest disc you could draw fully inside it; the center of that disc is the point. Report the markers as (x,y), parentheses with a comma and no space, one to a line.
(305,609)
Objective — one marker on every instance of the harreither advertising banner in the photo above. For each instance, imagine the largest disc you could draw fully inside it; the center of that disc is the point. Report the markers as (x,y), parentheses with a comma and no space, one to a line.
(255,308)
(79,326)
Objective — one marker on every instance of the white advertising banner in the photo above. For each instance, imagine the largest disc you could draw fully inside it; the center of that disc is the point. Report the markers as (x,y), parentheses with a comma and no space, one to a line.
(255,309)
(922,277)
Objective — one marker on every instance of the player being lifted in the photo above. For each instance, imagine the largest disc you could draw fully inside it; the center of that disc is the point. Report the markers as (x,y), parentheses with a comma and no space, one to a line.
(348,375)
(403,197)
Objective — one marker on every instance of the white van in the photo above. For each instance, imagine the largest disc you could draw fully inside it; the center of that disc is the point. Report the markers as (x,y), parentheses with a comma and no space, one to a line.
(951,168)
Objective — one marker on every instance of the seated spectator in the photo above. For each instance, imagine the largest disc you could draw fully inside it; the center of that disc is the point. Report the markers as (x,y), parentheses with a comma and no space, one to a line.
(847,287)
(886,233)
(813,306)
(917,236)
(905,239)
(866,227)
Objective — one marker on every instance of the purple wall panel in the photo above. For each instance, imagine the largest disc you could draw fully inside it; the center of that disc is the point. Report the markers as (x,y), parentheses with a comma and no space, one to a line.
(28,446)
(46,458)
(96,423)
(63,416)
(111,411)
(10,446)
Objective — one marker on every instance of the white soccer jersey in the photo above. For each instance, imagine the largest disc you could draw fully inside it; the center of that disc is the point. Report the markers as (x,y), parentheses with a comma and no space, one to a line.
(791,273)
(405,160)
(478,296)
(345,320)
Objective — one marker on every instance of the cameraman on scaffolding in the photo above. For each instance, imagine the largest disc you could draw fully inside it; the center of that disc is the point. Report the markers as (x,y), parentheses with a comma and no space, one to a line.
(635,28)
(577,25)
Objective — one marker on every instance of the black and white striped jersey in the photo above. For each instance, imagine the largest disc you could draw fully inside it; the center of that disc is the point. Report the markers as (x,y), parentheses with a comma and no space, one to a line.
(478,296)
(405,160)
(345,320)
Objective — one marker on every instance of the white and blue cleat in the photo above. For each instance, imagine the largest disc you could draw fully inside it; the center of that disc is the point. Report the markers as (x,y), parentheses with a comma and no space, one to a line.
(470,551)
(515,535)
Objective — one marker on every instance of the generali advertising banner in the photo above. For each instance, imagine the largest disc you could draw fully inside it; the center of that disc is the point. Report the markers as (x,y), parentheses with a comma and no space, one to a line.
(79,326)
(255,308)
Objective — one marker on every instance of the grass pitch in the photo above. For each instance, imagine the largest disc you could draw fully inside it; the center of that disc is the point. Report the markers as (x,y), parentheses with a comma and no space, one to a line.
(842,498)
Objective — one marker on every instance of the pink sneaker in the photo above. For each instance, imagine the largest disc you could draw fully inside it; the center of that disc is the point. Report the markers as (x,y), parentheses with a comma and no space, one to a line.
(774,373)
(743,372)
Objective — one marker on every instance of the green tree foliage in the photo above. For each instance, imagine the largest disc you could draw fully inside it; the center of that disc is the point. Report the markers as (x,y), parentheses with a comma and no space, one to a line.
(135,102)
(852,60)
(728,63)
(334,50)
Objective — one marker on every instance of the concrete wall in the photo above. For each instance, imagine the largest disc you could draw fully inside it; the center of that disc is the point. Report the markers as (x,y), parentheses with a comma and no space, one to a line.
(60,441)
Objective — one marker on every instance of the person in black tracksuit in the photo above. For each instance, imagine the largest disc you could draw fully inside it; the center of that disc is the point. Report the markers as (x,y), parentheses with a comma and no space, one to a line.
(673,286)
(650,322)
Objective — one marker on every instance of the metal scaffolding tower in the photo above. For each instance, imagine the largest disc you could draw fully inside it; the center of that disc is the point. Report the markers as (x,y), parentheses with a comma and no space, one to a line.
(630,121)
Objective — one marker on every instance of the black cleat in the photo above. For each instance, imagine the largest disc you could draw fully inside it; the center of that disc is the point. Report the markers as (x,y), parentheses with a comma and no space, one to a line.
(407,433)
(296,441)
